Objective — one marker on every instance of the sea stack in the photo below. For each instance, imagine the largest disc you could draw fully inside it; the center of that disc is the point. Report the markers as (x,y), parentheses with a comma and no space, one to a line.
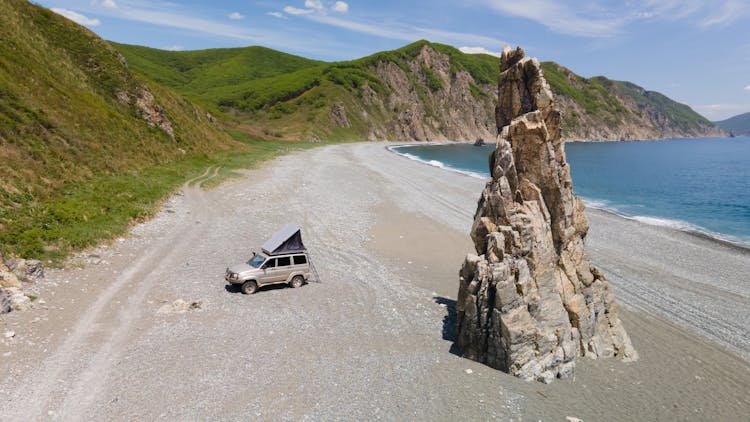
(530,302)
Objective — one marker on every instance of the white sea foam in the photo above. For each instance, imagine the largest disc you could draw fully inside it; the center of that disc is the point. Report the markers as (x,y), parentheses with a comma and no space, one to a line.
(434,163)
(599,204)
(666,222)
(690,228)
(674,224)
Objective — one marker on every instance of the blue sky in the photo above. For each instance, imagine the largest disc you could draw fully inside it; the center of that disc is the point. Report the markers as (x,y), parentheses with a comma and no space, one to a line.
(694,51)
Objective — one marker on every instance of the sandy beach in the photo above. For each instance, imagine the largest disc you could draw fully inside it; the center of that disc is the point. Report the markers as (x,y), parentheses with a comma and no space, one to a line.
(373,339)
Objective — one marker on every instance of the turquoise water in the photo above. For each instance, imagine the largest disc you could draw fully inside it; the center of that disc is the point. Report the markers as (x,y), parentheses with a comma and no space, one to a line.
(697,185)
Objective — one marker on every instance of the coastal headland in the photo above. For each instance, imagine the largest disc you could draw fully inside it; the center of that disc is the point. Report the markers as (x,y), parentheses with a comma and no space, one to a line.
(374,339)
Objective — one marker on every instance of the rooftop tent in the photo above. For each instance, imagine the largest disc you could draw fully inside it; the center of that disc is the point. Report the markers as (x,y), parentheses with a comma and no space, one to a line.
(286,240)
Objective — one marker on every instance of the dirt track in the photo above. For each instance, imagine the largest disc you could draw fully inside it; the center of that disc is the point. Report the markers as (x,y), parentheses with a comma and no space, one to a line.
(371,341)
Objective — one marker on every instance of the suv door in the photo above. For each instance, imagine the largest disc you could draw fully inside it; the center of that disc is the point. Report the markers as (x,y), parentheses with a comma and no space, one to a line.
(301,265)
(283,268)
(269,270)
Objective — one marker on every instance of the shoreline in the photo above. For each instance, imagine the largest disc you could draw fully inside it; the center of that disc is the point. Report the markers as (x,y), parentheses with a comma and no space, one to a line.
(591,141)
(705,253)
(387,237)
(678,225)
(697,233)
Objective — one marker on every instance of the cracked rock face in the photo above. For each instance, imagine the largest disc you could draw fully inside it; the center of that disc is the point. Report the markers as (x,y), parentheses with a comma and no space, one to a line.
(530,302)
(153,113)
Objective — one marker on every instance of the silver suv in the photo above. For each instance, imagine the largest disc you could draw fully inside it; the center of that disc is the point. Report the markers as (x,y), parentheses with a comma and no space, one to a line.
(262,270)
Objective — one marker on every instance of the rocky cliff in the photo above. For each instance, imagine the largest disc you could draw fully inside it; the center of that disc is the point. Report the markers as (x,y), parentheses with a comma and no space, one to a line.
(602,109)
(428,100)
(529,301)
(423,91)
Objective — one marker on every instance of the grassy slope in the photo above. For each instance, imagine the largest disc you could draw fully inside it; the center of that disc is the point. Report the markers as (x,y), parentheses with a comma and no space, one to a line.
(310,88)
(76,164)
(680,115)
(295,104)
(738,125)
(208,75)
(601,97)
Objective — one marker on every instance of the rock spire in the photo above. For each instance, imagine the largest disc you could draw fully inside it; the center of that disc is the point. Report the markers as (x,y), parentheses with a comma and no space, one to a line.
(530,302)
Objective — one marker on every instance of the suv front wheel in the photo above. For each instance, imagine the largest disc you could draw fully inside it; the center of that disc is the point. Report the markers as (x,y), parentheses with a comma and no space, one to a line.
(249,287)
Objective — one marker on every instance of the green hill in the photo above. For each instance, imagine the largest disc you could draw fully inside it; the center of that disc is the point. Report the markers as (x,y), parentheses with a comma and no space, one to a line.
(85,145)
(409,93)
(209,74)
(602,109)
(738,125)
(421,91)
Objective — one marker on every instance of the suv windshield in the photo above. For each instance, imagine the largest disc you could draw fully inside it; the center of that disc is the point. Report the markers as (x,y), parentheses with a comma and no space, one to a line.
(256,261)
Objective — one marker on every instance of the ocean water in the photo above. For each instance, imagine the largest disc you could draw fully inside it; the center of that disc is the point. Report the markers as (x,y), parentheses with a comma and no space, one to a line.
(695,185)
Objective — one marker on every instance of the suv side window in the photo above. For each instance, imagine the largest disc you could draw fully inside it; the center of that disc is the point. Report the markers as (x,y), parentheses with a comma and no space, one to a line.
(284,261)
(300,259)
(271,263)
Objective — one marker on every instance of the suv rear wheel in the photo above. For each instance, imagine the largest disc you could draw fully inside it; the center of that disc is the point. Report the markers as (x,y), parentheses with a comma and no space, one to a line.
(297,281)
(249,287)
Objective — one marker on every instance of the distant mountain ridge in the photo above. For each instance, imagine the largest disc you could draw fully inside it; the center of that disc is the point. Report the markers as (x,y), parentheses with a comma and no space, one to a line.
(737,125)
(423,91)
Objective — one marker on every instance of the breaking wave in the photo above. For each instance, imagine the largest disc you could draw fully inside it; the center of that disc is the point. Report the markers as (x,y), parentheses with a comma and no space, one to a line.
(673,224)
(435,163)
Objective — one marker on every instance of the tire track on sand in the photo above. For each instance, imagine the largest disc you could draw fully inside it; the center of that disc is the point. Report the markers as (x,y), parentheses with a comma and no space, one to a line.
(65,383)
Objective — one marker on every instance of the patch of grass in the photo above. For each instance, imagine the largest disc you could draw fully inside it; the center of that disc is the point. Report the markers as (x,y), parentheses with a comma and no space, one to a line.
(477,92)
(572,86)
(484,68)
(103,207)
(353,77)
(433,81)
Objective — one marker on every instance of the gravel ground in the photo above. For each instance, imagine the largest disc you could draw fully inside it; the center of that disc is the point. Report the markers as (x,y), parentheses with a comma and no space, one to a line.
(372,341)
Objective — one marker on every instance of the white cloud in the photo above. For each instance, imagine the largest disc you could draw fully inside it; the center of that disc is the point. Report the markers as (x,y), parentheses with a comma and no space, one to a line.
(317,6)
(175,47)
(109,4)
(314,4)
(559,17)
(726,13)
(277,15)
(297,12)
(171,14)
(317,12)
(173,19)
(340,7)
(747,88)
(236,16)
(603,18)
(76,17)
(479,50)
(404,32)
